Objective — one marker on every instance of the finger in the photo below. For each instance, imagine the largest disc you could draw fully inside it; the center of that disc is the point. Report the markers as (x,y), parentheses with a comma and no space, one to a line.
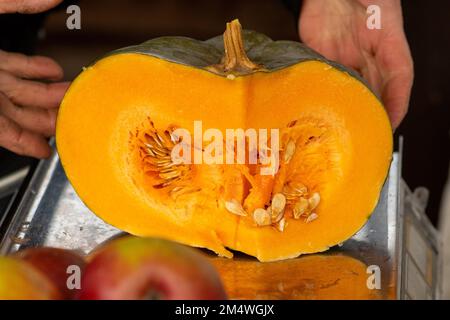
(33,119)
(34,67)
(398,73)
(395,96)
(27,6)
(371,74)
(32,93)
(20,141)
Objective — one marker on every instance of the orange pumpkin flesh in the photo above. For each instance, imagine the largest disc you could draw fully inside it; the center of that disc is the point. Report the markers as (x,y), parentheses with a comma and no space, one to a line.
(343,146)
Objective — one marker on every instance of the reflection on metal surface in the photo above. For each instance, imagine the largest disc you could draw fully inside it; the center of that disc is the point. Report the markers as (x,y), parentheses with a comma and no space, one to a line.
(51,214)
(54,215)
(312,277)
(10,182)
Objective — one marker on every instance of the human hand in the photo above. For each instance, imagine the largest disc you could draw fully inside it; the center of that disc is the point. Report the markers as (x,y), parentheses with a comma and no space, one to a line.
(27,6)
(28,107)
(337,29)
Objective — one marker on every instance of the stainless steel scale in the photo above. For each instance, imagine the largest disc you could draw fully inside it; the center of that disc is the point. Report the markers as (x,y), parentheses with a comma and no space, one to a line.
(398,237)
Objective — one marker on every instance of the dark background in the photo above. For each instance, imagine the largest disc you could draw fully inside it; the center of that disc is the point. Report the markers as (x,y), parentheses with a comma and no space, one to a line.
(108,25)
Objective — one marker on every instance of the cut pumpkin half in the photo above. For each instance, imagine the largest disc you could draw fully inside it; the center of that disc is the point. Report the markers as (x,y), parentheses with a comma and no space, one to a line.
(120,120)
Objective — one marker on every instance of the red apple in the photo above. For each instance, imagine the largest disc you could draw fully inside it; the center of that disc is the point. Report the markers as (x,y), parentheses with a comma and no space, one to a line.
(19,280)
(57,265)
(144,268)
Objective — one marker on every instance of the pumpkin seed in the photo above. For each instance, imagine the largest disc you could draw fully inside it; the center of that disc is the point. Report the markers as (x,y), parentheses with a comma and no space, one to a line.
(289,152)
(235,207)
(294,190)
(300,208)
(262,217)
(278,217)
(278,203)
(169,175)
(313,216)
(281,225)
(277,207)
(314,201)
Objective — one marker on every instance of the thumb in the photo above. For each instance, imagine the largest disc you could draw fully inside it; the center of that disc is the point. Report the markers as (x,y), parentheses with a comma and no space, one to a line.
(27,6)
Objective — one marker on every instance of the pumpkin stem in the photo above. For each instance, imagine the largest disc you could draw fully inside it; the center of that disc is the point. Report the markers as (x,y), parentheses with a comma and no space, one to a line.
(235,60)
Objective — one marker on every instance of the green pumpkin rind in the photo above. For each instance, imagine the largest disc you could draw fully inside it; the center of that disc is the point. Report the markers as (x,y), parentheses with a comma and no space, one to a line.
(272,55)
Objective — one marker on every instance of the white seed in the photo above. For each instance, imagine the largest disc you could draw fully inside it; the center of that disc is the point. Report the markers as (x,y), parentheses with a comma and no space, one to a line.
(313,216)
(300,207)
(277,218)
(262,217)
(281,225)
(289,152)
(235,207)
(278,203)
(294,190)
(314,201)
(231,76)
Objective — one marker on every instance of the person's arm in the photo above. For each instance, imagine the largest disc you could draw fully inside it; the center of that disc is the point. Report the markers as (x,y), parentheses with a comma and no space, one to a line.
(337,29)
(29,95)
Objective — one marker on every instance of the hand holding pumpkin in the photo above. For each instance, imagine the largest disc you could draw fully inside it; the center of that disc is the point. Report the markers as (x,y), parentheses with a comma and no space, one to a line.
(27,6)
(28,107)
(337,29)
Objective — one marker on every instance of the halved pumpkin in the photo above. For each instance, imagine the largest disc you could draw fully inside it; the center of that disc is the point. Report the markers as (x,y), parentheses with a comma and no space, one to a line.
(116,136)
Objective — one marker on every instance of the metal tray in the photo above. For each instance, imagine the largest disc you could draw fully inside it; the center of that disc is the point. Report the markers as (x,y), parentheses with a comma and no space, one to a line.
(50,214)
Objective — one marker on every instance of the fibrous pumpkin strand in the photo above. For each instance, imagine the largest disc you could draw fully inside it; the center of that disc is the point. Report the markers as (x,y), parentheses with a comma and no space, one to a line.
(182,190)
